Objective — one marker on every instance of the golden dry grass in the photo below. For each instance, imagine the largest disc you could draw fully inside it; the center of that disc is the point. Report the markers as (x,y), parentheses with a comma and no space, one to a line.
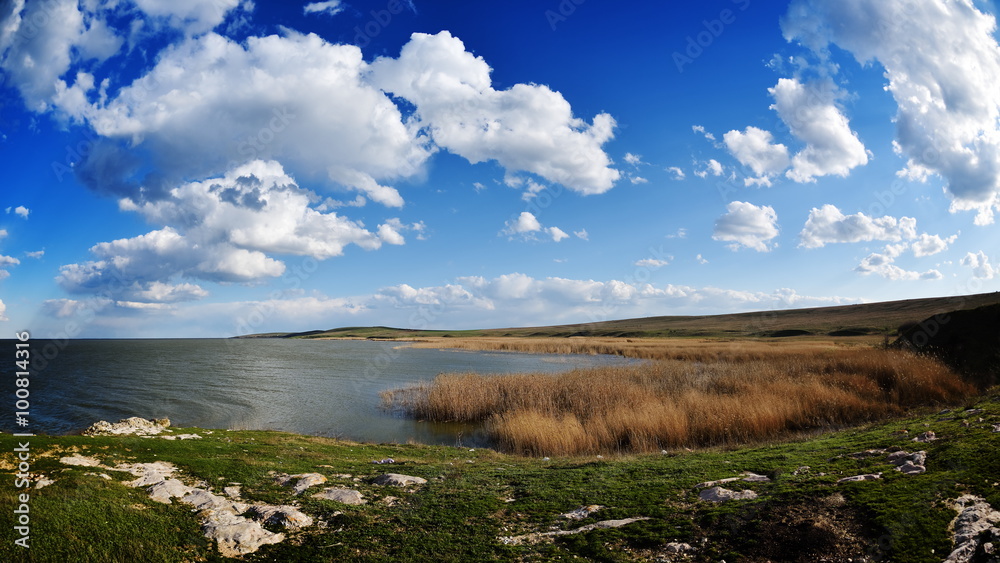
(699,395)
(687,349)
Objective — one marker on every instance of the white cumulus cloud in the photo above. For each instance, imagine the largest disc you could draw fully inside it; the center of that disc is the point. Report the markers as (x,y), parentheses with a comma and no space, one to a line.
(827,225)
(942,65)
(677,173)
(5,263)
(296,99)
(756,149)
(556,233)
(883,264)
(192,16)
(712,167)
(927,245)
(811,112)
(20,210)
(980,264)
(633,159)
(221,230)
(747,225)
(40,41)
(524,224)
(524,128)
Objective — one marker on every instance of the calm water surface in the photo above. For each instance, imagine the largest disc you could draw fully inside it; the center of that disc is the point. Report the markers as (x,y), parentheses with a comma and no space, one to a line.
(327,388)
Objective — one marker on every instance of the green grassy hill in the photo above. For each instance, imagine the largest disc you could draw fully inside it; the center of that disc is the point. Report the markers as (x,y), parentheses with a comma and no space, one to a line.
(847,320)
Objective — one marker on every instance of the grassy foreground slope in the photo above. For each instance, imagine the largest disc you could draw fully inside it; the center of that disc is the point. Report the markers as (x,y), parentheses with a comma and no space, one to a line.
(473,498)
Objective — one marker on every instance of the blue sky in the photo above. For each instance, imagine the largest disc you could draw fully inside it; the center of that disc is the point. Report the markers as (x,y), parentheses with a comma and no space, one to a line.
(187,168)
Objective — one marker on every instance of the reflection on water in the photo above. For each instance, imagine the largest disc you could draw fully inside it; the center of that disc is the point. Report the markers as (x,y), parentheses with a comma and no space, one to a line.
(326,388)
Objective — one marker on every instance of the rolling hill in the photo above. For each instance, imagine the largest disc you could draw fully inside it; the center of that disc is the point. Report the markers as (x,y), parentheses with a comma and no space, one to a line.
(882,318)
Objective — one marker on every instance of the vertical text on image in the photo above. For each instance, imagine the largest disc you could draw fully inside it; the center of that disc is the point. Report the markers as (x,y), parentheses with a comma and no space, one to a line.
(22,361)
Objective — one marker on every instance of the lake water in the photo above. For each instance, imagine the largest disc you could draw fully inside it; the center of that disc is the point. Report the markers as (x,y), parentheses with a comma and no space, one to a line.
(319,387)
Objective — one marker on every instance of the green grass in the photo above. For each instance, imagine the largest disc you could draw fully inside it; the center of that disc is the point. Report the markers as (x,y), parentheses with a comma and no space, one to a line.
(464,508)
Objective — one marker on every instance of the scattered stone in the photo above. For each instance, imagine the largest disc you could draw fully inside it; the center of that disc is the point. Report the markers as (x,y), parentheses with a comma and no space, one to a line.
(305,480)
(232,492)
(972,411)
(43,482)
(236,535)
(147,473)
(283,515)
(677,547)
(928,436)
(909,463)
(975,525)
(901,457)
(718,494)
(909,468)
(865,477)
(745,476)
(706,484)
(130,426)
(384,461)
(181,437)
(582,512)
(390,501)
(81,460)
(101,475)
(538,536)
(996,427)
(204,500)
(346,496)
(801,470)
(397,480)
(167,489)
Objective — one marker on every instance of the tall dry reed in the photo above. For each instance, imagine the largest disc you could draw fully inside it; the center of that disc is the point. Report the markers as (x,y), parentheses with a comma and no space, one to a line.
(724,397)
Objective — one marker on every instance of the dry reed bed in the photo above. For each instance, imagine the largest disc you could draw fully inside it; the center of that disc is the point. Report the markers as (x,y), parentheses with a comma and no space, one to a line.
(687,349)
(726,396)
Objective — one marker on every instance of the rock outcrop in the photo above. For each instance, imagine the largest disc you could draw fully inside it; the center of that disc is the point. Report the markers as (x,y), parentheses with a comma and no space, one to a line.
(221,517)
(718,494)
(302,481)
(865,477)
(130,426)
(909,463)
(397,480)
(538,536)
(345,496)
(581,513)
(975,530)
